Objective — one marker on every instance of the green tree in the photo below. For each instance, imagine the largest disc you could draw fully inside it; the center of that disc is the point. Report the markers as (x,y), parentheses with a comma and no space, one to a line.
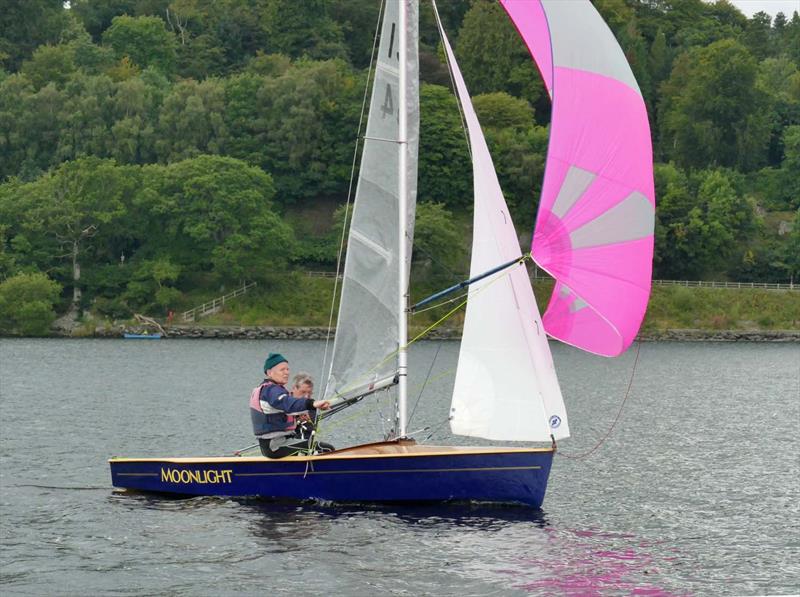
(8,262)
(84,125)
(26,304)
(695,23)
(501,110)
(215,37)
(26,25)
(38,131)
(711,112)
(660,58)
(493,57)
(790,168)
(437,242)
(88,57)
(445,174)
(96,15)
(191,121)
(153,281)
(674,203)
(356,20)
(779,79)
(789,35)
(730,217)
(145,40)
(299,126)
(50,64)
(203,35)
(215,215)
(757,35)
(63,213)
(135,110)
(519,156)
(700,222)
(303,29)
(15,93)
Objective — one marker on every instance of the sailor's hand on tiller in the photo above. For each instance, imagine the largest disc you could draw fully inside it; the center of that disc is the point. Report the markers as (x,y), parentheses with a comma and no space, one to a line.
(322,404)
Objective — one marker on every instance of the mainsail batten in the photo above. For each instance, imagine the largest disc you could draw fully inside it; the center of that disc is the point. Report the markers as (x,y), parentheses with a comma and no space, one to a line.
(506,386)
(594,231)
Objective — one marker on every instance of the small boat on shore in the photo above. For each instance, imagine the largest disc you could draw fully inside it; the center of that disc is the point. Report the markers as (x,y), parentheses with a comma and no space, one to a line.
(128,336)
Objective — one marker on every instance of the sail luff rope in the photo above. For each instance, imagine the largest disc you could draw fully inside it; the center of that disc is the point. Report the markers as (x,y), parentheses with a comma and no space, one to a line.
(347,203)
(440,29)
(616,419)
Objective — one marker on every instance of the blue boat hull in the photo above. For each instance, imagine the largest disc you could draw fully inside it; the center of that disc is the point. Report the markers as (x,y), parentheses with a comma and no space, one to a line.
(386,472)
(142,336)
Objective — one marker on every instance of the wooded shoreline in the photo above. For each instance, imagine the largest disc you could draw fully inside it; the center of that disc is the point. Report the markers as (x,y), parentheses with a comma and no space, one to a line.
(147,167)
(320,333)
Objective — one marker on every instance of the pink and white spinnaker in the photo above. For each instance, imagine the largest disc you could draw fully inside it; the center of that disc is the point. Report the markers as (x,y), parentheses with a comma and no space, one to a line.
(594,230)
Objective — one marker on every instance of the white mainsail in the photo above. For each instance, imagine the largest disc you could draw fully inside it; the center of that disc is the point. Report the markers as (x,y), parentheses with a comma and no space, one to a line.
(367,338)
(506,386)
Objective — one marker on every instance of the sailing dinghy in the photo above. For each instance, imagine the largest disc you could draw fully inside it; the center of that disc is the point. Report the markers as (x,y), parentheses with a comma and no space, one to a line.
(594,235)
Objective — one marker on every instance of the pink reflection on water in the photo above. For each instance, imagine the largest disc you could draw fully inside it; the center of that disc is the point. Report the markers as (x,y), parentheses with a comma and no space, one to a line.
(595,570)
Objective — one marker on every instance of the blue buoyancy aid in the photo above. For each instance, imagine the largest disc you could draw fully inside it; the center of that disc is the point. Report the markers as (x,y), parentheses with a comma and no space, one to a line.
(271,409)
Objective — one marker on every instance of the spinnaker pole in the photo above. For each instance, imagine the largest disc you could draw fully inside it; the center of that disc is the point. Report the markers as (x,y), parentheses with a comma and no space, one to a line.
(402,204)
(466,283)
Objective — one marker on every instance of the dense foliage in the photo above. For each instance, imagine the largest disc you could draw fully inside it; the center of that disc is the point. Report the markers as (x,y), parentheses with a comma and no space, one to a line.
(26,304)
(150,148)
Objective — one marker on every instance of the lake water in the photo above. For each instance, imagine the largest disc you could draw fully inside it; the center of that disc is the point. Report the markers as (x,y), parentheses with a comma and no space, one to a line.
(696,491)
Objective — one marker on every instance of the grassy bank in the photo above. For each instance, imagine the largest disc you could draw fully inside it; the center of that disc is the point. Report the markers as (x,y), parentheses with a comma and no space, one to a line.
(676,307)
(300,300)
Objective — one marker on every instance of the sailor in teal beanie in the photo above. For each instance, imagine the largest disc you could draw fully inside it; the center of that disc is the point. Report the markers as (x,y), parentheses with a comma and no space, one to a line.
(274,412)
(273,359)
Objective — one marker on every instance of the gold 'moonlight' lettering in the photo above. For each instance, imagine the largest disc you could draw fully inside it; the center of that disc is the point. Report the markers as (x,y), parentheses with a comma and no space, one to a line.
(172,475)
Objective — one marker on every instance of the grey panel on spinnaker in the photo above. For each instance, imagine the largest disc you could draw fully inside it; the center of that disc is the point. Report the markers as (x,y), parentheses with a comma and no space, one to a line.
(631,219)
(577,305)
(581,40)
(575,183)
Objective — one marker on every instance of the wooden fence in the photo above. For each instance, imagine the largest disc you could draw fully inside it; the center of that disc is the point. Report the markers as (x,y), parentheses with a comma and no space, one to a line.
(215,305)
(540,275)
(712,284)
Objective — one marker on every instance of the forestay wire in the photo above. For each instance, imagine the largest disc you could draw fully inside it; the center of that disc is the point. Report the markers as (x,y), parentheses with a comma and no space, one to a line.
(424,383)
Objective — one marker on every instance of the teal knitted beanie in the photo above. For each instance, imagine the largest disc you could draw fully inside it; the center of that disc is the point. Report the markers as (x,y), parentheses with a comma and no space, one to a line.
(273,359)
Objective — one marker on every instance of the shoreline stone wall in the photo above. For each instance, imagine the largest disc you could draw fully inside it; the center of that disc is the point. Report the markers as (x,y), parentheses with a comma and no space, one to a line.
(320,333)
